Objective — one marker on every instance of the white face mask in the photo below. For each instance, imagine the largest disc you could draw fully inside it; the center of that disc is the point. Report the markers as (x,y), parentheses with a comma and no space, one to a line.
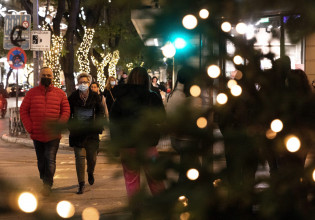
(112,83)
(83,87)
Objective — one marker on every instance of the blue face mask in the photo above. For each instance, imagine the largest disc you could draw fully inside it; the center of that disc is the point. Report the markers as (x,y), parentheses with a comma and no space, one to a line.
(83,87)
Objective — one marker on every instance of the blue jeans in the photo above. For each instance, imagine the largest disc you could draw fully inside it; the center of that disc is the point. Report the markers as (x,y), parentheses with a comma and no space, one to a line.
(46,159)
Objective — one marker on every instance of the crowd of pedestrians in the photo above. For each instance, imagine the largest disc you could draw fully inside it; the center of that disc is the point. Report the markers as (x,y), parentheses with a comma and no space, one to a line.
(128,104)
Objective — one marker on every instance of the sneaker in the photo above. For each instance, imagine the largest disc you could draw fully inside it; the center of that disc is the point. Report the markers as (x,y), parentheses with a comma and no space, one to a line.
(91,178)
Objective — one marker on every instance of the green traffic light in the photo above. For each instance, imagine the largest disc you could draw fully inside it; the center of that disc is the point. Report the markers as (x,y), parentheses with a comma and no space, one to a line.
(180,43)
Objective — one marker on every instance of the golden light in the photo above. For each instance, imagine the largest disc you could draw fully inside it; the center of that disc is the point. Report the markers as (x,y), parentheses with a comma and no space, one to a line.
(236,90)
(238,75)
(204,13)
(195,91)
(184,216)
(168,50)
(183,200)
(27,202)
(65,209)
(83,50)
(270,134)
(222,98)
(238,60)
(217,182)
(190,21)
(214,71)
(292,143)
(276,125)
(90,213)
(226,26)
(202,122)
(231,83)
(241,28)
(314,174)
(192,174)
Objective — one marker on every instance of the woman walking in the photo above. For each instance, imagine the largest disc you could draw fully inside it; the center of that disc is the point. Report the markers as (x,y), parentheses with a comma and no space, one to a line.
(109,93)
(136,134)
(86,108)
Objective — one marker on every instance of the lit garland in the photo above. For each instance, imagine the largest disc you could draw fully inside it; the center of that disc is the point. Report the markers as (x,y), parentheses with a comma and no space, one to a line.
(113,63)
(130,66)
(83,50)
(52,58)
(101,78)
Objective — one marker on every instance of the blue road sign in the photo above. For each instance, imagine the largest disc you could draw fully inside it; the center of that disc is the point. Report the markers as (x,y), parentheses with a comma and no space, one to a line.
(21,27)
(16,58)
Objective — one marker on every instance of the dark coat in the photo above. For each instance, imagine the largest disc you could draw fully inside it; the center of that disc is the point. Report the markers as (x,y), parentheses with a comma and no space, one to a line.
(85,123)
(135,117)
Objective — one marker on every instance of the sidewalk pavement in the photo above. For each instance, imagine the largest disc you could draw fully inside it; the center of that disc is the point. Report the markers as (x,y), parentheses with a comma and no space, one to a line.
(164,145)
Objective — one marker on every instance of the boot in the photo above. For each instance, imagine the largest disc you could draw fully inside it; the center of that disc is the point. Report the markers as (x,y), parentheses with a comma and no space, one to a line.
(91,178)
(81,188)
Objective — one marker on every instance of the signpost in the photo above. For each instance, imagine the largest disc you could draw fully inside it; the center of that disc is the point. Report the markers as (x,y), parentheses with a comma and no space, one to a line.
(17,60)
(40,40)
(17,31)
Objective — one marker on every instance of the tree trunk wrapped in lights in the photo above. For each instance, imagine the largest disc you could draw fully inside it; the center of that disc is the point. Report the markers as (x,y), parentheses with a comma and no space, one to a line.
(101,78)
(83,51)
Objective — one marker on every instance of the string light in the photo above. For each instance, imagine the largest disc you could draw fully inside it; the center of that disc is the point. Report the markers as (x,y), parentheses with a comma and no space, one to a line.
(113,63)
(101,78)
(83,50)
(52,57)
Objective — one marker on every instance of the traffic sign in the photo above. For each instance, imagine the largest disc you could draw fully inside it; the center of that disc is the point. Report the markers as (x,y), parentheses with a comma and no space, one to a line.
(17,31)
(40,40)
(16,58)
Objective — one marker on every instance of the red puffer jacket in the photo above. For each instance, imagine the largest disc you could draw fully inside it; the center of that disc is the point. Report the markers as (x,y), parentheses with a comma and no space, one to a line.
(41,106)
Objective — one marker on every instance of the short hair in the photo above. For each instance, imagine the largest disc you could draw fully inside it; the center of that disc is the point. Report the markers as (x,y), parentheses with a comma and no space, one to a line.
(139,76)
(88,76)
(46,69)
(96,83)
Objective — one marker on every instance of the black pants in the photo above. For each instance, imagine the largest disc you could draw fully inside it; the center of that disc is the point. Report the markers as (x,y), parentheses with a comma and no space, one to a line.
(46,159)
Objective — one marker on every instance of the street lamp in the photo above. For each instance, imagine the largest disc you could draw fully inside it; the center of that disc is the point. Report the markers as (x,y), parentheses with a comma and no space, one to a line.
(169,51)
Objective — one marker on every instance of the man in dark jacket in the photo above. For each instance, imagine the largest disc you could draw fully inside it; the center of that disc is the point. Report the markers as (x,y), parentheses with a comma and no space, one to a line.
(85,126)
(42,104)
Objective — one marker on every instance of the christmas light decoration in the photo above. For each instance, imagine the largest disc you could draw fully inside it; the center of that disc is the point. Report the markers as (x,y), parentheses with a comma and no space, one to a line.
(83,50)
(100,69)
(52,58)
(113,63)
(129,66)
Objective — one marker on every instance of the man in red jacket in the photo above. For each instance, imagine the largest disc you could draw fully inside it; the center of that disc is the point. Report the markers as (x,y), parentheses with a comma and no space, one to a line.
(42,105)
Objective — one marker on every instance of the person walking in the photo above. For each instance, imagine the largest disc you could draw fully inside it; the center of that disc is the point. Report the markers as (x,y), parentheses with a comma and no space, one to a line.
(85,126)
(42,105)
(109,93)
(95,87)
(134,134)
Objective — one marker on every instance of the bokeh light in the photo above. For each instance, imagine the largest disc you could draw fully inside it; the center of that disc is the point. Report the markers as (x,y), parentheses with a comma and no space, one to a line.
(241,28)
(222,98)
(65,209)
(292,143)
(217,182)
(190,22)
(314,175)
(231,83)
(202,122)
(204,13)
(27,202)
(195,91)
(270,134)
(238,75)
(192,174)
(236,90)
(180,43)
(183,200)
(184,216)
(214,71)
(168,50)
(276,125)
(238,60)
(226,26)
(90,213)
